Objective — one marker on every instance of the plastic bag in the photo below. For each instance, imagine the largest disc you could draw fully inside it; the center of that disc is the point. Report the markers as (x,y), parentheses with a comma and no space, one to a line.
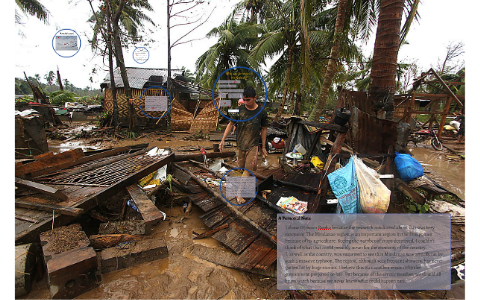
(345,187)
(374,195)
(408,167)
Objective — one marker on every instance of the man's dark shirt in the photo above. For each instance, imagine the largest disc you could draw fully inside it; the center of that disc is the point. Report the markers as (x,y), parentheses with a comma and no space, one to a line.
(248,132)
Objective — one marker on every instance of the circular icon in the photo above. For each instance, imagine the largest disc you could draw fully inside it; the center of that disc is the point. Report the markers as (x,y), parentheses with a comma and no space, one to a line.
(256,189)
(264,102)
(169,97)
(141,55)
(66,42)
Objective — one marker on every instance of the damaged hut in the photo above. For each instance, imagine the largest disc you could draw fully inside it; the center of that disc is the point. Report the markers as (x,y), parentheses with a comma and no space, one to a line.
(141,79)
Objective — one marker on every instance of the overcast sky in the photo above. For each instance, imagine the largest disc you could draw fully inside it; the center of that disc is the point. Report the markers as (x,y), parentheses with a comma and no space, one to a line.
(440,23)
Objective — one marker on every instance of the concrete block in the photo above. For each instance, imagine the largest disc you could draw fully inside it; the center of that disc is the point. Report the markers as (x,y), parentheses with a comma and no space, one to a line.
(132,253)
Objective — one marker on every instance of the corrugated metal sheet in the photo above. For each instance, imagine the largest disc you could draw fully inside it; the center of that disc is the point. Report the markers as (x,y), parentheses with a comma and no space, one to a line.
(137,77)
(368,134)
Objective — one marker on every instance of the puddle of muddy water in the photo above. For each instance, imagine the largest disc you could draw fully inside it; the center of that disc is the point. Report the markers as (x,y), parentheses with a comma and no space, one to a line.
(182,275)
(449,174)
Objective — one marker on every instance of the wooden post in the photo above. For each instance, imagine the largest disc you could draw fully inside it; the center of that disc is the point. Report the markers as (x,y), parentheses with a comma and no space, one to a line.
(410,109)
(444,116)
(330,164)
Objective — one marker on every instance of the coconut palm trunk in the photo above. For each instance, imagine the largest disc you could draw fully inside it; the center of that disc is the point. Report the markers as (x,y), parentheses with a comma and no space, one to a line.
(287,81)
(384,62)
(132,118)
(332,62)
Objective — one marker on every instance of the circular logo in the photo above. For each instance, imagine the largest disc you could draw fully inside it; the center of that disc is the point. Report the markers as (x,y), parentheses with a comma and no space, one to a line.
(141,55)
(340,183)
(169,97)
(66,42)
(256,189)
(213,94)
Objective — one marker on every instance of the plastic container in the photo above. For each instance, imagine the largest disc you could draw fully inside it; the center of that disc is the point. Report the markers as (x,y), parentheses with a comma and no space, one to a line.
(299,148)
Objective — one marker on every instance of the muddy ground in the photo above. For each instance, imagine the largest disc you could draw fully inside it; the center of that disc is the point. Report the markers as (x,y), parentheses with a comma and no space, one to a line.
(185,276)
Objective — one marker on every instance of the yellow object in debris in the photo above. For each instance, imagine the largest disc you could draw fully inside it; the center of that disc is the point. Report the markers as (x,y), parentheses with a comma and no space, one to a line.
(317,162)
(154,181)
(448,127)
(146,179)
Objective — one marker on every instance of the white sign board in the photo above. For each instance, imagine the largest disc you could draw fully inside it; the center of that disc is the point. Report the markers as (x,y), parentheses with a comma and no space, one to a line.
(156,103)
(225,103)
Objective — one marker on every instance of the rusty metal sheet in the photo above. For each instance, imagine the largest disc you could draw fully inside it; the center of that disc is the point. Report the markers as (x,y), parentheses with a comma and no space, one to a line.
(349,99)
(370,135)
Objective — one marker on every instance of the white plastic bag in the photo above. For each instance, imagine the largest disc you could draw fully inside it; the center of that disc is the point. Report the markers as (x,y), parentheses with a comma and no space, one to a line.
(374,195)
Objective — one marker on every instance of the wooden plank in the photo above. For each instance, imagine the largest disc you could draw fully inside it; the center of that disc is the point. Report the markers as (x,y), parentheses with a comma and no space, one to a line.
(183,157)
(42,188)
(48,165)
(101,241)
(210,232)
(70,211)
(444,117)
(409,192)
(182,177)
(326,126)
(150,213)
(449,91)
(132,254)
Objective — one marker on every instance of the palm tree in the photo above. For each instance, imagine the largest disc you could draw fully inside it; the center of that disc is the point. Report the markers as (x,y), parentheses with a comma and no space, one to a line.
(33,8)
(360,17)
(232,49)
(125,19)
(286,38)
(332,62)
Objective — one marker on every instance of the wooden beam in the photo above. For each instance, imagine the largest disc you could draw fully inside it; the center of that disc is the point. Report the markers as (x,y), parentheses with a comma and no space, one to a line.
(436,96)
(444,117)
(211,232)
(48,165)
(409,192)
(150,213)
(325,126)
(452,94)
(70,211)
(41,188)
(183,157)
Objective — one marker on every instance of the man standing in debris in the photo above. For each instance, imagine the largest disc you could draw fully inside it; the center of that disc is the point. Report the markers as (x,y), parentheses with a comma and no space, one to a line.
(248,132)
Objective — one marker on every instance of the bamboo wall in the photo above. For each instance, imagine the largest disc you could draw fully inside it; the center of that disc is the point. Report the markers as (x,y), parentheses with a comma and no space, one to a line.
(123,104)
